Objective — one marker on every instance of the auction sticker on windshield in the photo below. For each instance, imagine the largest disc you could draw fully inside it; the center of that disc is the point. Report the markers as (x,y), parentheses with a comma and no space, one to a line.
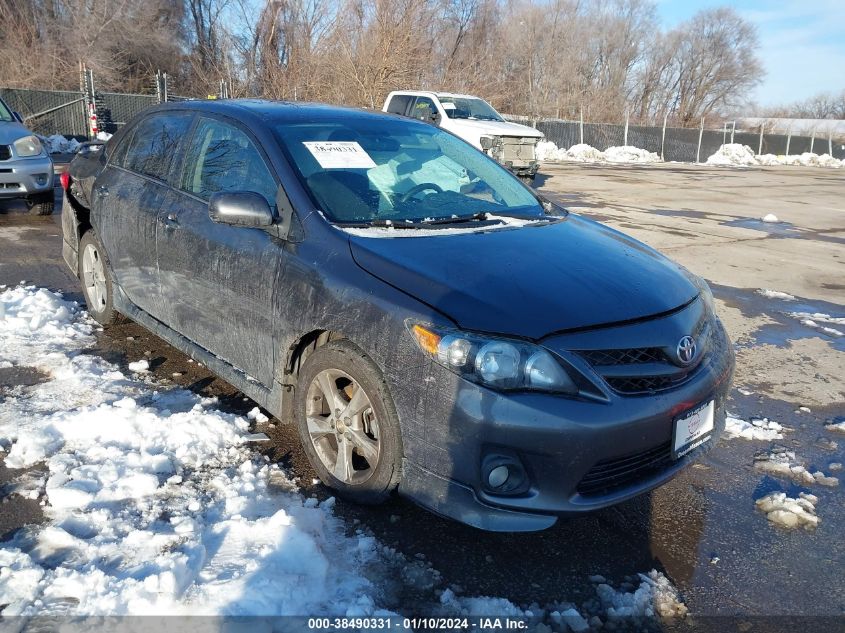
(339,154)
(693,429)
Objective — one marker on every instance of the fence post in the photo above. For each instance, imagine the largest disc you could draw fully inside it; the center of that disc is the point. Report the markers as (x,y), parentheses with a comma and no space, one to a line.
(724,132)
(700,134)
(663,136)
(788,139)
(760,146)
(812,140)
(830,142)
(625,143)
(87,81)
(733,129)
(581,122)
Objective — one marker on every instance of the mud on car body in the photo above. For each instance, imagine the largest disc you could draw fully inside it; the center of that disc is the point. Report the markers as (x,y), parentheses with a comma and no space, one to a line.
(425,319)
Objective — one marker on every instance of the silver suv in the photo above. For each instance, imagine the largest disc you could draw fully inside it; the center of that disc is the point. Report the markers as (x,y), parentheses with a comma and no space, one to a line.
(26,170)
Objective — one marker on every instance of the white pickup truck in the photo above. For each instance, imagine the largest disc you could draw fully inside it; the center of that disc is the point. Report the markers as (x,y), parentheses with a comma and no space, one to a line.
(475,121)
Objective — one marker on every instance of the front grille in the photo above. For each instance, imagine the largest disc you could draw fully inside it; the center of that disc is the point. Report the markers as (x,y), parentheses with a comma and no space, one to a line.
(605,357)
(646,370)
(5,152)
(611,474)
(10,185)
(517,148)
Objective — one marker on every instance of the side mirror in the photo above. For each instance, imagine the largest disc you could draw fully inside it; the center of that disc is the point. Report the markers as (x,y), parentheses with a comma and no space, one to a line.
(18,116)
(240,208)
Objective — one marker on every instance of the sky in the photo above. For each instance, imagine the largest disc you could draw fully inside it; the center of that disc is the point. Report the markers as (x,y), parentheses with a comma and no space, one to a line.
(802,43)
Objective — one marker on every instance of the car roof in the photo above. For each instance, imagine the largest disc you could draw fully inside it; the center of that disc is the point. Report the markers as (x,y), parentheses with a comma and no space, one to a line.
(275,111)
(431,93)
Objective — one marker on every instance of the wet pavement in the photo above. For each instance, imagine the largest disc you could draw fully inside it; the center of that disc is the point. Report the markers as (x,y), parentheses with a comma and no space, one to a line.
(701,529)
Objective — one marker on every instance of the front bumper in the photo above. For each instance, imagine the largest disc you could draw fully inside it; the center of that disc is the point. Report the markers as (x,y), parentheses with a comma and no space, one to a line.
(560,442)
(25,177)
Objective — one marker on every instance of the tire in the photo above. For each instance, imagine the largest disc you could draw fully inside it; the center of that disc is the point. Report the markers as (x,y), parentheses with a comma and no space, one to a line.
(372,434)
(528,180)
(96,281)
(41,205)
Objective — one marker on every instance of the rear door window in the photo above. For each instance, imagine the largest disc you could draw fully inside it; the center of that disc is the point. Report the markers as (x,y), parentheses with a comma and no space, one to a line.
(222,157)
(155,144)
(399,104)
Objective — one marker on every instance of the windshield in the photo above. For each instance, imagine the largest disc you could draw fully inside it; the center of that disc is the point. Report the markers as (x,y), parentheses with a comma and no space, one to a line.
(5,113)
(469,108)
(367,170)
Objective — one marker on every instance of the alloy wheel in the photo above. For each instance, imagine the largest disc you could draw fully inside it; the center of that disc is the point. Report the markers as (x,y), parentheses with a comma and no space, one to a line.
(342,426)
(94,278)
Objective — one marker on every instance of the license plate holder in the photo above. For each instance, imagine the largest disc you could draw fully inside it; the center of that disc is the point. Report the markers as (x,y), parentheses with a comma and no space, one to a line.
(693,428)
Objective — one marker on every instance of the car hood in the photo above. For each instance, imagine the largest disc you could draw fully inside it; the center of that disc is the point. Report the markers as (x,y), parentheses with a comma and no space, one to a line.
(495,128)
(530,281)
(11,131)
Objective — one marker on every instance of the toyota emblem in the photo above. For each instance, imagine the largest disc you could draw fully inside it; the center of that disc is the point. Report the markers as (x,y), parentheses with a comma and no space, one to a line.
(686,350)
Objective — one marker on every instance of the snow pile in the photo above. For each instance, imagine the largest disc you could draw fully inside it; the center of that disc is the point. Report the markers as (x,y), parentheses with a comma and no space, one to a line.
(783,463)
(836,426)
(807,159)
(770,218)
(58,144)
(655,596)
(583,153)
(733,154)
(155,502)
(775,294)
(630,154)
(738,154)
(755,429)
(789,512)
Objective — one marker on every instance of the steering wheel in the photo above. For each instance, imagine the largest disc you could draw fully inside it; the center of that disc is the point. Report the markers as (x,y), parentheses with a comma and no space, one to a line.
(423,186)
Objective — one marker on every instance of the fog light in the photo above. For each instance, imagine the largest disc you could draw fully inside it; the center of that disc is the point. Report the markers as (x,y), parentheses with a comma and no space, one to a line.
(498,476)
(41,179)
(503,473)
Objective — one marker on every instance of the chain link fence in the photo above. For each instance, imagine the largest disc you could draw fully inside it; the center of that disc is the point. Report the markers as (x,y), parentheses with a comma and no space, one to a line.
(49,111)
(687,145)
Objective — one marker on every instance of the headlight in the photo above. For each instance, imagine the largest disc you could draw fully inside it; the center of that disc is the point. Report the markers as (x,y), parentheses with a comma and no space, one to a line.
(28,146)
(496,362)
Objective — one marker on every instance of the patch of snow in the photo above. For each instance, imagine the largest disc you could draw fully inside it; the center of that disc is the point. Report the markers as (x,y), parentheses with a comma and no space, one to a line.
(630,154)
(775,294)
(141,366)
(255,414)
(770,218)
(755,429)
(789,512)
(816,320)
(103,136)
(836,426)
(58,144)
(783,463)
(154,501)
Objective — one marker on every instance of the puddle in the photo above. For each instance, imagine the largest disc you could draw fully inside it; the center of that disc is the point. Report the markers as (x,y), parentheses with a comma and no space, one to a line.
(790,316)
(774,229)
(681,213)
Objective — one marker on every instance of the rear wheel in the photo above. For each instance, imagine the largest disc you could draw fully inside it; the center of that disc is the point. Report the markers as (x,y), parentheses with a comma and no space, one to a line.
(96,280)
(348,424)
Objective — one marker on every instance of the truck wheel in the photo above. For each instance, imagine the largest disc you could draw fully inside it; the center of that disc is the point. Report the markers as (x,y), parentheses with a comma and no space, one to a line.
(528,180)
(41,205)
(95,277)
(348,424)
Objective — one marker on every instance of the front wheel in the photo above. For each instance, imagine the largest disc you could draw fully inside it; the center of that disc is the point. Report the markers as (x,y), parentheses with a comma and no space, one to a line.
(95,276)
(41,205)
(348,424)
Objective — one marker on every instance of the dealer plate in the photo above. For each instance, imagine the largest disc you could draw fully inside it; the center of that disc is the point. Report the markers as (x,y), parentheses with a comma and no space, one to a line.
(693,429)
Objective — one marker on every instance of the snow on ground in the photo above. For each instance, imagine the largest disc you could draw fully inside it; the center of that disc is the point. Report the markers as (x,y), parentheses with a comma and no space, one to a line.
(771,218)
(789,512)
(836,426)
(817,320)
(781,462)
(775,294)
(755,429)
(548,151)
(58,144)
(736,154)
(156,503)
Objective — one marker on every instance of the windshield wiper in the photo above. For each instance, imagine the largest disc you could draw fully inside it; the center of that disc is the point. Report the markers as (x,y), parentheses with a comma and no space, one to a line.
(458,219)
